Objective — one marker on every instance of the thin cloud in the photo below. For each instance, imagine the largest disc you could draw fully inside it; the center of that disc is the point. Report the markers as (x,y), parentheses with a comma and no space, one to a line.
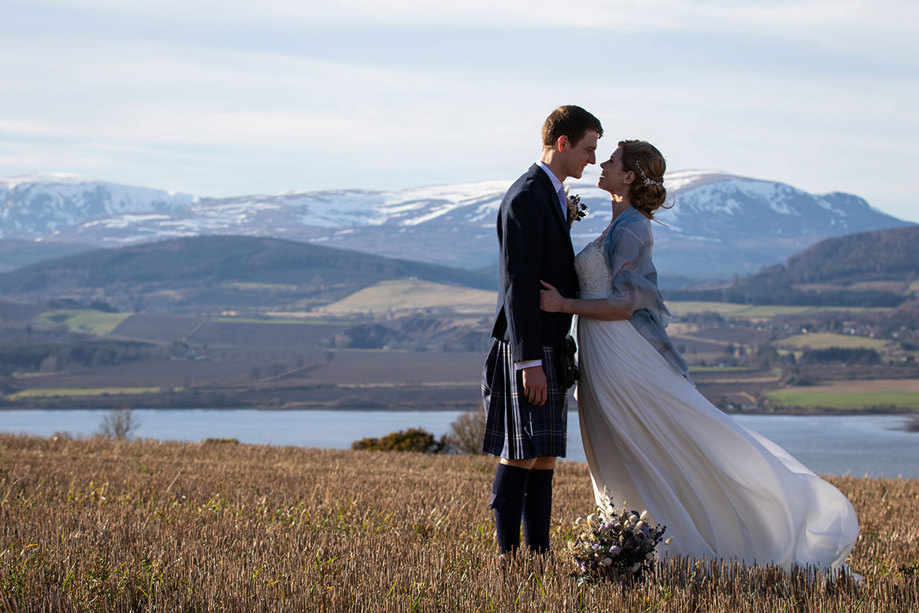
(220,98)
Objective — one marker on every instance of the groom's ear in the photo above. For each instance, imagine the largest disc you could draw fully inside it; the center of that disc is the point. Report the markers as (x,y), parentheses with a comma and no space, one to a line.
(562,143)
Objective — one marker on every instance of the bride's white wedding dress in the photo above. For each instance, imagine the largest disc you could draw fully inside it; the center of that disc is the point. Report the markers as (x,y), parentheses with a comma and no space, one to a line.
(722,490)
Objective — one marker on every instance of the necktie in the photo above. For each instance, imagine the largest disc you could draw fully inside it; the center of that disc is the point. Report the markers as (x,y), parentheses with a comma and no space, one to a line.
(563,201)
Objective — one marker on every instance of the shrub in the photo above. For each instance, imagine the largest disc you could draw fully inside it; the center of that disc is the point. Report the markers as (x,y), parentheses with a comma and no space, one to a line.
(118,423)
(413,439)
(467,432)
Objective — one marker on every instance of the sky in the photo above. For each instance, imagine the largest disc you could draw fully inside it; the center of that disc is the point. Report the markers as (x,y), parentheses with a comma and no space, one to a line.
(232,97)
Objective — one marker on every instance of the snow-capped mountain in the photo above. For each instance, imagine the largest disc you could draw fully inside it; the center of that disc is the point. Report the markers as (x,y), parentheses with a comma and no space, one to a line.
(34,205)
(719,224)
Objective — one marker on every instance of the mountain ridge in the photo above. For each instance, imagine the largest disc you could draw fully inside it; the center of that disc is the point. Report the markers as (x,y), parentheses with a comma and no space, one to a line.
(720,224)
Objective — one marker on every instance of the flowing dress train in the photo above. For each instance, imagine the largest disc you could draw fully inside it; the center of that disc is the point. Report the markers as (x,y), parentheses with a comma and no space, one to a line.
(722,490)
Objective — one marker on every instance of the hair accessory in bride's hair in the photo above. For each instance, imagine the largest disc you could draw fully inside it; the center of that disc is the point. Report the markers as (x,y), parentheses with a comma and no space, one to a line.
(645,178)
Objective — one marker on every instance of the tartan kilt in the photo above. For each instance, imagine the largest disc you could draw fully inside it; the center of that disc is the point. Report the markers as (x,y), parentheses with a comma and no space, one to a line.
(515,429)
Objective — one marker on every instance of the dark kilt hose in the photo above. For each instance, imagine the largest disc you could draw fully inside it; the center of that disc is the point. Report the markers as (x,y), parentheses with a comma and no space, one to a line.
(515,429)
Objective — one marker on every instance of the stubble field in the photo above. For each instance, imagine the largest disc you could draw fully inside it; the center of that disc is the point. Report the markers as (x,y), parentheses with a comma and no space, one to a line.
(97,525)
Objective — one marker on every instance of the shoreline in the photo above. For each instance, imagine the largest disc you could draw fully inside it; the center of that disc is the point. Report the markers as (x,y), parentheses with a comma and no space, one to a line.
(801,411)
(877,445)
(106,403)
(910,425)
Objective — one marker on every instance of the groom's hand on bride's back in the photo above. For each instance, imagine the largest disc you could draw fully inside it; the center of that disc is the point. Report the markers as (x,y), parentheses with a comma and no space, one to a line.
(535,386)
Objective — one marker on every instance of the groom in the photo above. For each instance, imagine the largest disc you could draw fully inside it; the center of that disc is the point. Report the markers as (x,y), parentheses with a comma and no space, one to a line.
(525,404)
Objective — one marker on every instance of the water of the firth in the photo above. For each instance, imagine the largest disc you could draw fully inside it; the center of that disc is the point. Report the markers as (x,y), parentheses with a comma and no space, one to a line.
(861,445)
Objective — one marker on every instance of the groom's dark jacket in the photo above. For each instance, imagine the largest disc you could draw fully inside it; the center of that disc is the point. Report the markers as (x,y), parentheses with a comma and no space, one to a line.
(534,244)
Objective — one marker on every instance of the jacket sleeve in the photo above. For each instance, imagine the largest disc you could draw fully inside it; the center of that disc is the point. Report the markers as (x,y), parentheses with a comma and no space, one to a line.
(523,225)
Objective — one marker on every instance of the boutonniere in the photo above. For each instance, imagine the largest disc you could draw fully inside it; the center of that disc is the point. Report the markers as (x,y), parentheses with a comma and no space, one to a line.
(577,210)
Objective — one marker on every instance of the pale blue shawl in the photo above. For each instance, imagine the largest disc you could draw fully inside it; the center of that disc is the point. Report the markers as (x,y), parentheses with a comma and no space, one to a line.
(627,248)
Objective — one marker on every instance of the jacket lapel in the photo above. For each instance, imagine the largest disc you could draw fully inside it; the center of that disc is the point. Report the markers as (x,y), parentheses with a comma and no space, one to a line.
(553,199)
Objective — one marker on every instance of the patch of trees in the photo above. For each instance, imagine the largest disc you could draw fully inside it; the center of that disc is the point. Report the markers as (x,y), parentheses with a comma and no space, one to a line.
(367,336)
(52,357)
(703,318)
(767,356)
(856,355)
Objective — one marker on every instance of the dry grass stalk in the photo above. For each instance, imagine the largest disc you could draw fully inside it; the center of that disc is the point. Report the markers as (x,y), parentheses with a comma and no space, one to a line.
(100,525)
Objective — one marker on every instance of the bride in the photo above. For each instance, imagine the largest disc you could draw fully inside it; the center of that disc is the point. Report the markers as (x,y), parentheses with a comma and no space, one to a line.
(723,491)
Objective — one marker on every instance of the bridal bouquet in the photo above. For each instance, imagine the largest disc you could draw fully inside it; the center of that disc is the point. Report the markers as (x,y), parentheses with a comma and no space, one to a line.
(613,544)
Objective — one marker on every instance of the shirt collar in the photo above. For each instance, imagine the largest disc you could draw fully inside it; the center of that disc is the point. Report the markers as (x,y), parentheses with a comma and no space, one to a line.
(556,184)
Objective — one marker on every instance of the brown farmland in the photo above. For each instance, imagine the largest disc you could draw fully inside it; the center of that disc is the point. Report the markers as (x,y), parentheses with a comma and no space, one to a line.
(375,367)
(292,336)
(428,359)
(161,328)
(95,525)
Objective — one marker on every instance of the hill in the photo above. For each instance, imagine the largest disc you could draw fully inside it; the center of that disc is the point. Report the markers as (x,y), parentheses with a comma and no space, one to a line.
(865,269)
(887,255)
(15,253)
(224,272)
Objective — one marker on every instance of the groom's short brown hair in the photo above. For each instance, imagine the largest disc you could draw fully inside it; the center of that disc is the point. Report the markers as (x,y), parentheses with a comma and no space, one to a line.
(571,121)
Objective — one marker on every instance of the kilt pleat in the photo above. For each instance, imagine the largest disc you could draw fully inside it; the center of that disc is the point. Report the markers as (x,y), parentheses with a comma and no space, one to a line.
(515,429)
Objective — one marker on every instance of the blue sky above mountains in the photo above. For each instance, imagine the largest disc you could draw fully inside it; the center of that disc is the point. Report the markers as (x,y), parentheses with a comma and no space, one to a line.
(231,97)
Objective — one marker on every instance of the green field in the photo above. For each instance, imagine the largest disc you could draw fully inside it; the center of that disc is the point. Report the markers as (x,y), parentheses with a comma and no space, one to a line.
(771,310)
(824,340)
(273,320)
(273,287)
(684,307)
(96,322)
(42,392)
(737,310)
(724,369)
(750,311)
(813,397)
(412,294)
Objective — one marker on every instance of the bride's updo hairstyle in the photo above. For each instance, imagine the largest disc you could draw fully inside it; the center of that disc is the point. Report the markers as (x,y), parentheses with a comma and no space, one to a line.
(646,193)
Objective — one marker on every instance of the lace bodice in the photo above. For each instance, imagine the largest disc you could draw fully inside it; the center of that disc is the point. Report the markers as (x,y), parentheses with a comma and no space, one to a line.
(593,272)
(626,279)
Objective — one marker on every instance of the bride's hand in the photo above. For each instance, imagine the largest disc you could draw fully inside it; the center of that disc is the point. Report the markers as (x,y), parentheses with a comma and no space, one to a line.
(550,300)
